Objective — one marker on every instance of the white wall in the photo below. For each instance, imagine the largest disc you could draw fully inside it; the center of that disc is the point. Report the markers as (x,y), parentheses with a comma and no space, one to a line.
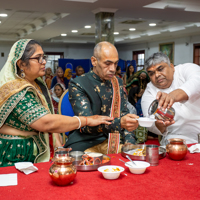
(4,48)
(183,49)
(182,53)
(70,51)
(80,52)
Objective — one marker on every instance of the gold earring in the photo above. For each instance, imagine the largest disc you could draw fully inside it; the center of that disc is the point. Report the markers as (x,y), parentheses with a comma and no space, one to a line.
(22,74)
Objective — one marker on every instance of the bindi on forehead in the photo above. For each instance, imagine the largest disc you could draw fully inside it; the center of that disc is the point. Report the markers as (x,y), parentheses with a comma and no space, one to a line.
(152,68)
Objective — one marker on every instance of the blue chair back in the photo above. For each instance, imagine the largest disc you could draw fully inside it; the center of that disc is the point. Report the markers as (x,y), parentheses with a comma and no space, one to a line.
(69,65)
(64,106)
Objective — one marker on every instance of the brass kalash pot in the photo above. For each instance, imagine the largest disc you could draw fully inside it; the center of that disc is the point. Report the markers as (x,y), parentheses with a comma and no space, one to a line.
(63,171)
(176,149)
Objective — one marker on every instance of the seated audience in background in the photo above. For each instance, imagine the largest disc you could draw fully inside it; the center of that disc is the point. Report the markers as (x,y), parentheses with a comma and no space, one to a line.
(129,75)
(68,74)
(134,97)
(130,107)
(143,78)
(59,78)
(101,92)
(178,87)
(140,76)
(118,72)
(48,77)
(133,83)
(79,71)
(57,92)
(140,134)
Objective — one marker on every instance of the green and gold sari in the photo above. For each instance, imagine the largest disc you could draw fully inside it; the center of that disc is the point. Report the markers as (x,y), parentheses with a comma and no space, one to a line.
(135,79)
(21,105)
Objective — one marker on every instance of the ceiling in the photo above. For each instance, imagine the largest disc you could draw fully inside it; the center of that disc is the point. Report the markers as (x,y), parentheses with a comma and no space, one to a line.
(45,20)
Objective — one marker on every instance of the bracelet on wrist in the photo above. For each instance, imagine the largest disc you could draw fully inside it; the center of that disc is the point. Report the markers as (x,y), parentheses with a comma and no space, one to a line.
(79,126)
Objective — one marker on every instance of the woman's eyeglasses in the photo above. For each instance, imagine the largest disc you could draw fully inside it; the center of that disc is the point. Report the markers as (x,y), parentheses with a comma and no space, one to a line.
(41,59)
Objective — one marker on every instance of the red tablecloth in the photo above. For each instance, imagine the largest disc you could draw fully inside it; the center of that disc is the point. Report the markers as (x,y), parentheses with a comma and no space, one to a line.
(172,180)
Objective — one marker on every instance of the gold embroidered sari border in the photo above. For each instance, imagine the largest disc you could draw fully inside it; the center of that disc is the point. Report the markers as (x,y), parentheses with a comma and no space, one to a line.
(13,137)
(7,108)
(11,88)
(29,117)
(40,144)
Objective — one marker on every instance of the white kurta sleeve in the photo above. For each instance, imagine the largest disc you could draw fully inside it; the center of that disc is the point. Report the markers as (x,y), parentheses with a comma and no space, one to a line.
(191,75)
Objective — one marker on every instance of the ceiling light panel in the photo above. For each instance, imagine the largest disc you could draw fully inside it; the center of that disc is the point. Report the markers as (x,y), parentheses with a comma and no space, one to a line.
(3,15)
(152,24)
(87,26)
(74,31)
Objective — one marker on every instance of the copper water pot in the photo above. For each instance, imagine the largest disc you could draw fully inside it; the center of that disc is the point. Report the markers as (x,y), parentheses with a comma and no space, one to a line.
(176,149)
(63,171)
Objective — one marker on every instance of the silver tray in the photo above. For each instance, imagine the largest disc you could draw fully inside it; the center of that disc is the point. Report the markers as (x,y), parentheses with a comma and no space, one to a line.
(90,167)
(128,150)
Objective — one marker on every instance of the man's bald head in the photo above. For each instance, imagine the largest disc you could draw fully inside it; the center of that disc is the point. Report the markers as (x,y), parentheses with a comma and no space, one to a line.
(105,60)
(103,46)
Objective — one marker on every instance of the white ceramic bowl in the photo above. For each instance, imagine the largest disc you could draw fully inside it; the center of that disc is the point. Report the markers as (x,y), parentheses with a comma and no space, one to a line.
(139,169)
(145,121)
(110,174)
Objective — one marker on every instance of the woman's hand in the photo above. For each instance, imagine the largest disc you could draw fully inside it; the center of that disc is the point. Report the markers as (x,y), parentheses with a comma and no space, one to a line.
(58,142)
(96,120)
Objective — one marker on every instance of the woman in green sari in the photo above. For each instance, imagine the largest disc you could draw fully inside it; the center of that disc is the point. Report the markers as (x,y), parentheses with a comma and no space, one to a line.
(140,78)
(26,111)
(143,78)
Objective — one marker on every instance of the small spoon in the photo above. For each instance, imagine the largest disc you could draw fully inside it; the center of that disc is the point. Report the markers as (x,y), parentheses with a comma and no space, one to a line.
(130,160)
(126,163)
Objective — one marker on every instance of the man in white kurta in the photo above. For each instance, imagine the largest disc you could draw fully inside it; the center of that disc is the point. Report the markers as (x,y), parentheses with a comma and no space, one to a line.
(186,79)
